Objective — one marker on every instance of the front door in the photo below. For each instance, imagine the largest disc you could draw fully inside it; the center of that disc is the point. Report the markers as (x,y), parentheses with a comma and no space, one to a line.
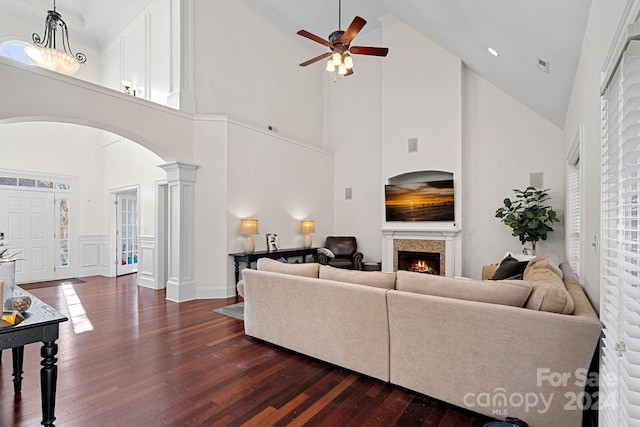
(26,220)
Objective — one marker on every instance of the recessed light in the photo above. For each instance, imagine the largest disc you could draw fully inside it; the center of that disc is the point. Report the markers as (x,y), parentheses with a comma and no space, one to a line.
(492,51)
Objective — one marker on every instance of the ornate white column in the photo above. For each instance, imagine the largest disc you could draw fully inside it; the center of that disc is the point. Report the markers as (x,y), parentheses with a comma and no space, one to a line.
(181,178)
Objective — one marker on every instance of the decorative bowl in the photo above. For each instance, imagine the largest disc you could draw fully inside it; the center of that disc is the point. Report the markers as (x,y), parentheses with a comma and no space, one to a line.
(21,304)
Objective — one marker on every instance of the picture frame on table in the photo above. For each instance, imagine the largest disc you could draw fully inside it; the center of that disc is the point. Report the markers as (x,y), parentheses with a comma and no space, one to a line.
(272,242)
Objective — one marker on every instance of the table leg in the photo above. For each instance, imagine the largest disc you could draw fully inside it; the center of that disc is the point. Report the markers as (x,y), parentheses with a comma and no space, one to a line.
(18,358)
(48,380)
(237,272)
(237,276)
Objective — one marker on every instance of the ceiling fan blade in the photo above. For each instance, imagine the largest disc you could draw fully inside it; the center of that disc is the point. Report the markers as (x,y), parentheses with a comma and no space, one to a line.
(368,50)
(352,31)
(349,72)
(307,34)
(316,59)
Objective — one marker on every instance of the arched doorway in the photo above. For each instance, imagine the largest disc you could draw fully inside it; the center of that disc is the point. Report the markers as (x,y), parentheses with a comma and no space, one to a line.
(92,163)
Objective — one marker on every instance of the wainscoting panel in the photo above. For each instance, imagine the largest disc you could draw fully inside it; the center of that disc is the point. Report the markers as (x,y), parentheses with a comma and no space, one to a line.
(93,255)
(146,265)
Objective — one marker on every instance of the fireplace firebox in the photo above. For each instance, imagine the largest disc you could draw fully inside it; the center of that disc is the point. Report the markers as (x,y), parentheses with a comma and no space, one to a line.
(420,262)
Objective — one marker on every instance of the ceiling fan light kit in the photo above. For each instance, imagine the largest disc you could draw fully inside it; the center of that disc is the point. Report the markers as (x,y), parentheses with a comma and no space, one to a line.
(340,47)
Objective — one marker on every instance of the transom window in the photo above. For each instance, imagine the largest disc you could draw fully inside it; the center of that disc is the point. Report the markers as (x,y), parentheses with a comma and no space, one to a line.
(14,49)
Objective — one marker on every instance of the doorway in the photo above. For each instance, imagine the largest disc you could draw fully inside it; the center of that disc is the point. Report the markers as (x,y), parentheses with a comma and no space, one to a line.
(127,231)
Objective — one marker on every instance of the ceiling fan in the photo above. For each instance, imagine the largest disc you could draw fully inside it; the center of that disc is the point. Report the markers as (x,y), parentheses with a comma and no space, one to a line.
(340,47)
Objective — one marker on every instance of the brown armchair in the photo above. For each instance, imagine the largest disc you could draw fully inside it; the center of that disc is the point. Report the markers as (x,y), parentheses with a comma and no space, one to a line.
(344,250)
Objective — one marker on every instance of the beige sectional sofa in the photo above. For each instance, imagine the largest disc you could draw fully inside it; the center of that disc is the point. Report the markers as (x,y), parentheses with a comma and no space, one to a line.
(493,347)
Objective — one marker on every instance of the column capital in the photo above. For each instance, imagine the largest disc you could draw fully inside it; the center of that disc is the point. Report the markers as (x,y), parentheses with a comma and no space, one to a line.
(178,171)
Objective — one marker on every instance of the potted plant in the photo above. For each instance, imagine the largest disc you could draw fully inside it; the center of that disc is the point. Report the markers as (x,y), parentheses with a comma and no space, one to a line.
(528,215)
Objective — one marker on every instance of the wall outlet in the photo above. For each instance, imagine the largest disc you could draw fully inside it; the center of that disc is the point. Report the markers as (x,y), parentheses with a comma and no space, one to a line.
(347,193)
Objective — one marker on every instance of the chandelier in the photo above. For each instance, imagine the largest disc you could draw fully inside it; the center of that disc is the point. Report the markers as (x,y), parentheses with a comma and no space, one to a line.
(43,52)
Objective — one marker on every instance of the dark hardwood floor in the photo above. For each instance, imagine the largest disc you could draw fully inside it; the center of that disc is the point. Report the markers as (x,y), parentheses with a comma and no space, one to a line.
(128,357)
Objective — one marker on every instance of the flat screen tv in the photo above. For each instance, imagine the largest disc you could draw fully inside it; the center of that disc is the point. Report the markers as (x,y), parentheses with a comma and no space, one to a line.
(422,201)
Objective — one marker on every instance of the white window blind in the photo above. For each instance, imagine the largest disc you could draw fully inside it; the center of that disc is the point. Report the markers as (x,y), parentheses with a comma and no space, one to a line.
(574,198)
(620,263)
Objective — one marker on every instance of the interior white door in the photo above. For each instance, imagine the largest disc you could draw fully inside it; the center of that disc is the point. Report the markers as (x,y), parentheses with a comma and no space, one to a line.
(127,236)
(26,219)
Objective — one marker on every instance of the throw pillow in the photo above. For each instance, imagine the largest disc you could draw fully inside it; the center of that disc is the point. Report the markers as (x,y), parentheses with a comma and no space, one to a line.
(377,279)
(547,261)
(519,257)
(510,268)
(327,252)
(549,292)
(305,269)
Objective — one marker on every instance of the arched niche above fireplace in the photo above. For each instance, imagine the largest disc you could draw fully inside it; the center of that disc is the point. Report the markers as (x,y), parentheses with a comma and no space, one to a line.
(420,176)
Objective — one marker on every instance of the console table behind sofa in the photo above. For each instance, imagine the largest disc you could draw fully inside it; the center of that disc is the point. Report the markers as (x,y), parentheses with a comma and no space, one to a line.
(277,254)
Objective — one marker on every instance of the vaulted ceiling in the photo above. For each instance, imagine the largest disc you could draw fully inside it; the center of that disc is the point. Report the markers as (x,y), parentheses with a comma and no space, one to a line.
(526,34)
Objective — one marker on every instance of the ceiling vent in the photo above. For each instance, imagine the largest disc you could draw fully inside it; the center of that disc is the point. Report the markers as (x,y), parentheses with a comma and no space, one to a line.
(543,65)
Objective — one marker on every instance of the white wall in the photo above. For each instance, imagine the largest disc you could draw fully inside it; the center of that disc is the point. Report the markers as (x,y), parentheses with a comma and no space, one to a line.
(57,148)
(279,182)
(584,109)
(421,98)
(504,141)
(248,69)
(354,116)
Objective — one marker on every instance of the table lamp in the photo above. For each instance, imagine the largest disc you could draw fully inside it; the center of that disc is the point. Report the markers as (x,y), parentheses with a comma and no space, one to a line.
(249,227)
(307,227)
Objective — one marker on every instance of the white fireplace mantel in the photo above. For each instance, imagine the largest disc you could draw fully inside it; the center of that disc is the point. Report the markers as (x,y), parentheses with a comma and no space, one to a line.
(449,235)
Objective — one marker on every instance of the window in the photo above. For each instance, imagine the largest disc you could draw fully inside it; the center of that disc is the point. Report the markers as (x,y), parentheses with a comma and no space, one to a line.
(574,200)
(63,234)
(620,255)
(14,49)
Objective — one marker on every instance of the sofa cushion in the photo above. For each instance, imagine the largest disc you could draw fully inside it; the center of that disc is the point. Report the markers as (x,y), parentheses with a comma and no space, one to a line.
(376,279)
(548,291)
(509,268)
(505,292)
(305,269)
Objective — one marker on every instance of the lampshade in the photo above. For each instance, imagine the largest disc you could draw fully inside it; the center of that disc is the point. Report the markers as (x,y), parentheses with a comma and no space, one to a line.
(307,226)
(53,59)
(249,226)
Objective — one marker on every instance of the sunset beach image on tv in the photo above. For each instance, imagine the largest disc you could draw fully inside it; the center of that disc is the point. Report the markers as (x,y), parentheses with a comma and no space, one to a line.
(424,201)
